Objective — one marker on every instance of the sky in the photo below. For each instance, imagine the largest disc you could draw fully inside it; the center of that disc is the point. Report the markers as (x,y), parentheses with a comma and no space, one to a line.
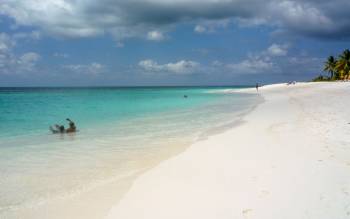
(168,42)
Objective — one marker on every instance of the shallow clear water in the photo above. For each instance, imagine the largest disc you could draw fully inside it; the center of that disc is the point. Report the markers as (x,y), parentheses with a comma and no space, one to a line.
(121,131)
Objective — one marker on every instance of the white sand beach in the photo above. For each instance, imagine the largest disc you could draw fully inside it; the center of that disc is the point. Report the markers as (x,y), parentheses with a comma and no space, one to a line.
(289,159)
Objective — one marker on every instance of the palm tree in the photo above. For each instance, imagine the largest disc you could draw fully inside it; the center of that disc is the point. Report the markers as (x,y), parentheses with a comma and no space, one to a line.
(343,64)
(330,65)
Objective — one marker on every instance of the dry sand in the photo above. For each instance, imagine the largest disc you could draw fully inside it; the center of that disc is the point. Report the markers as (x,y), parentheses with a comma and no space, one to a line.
(290,159)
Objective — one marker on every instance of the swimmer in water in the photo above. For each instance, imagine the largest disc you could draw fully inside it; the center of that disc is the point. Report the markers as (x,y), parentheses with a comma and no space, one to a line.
(57,129)
(72,127)
(60,128)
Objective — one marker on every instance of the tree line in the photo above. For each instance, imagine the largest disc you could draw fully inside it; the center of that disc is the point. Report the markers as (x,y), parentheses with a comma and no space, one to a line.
(338,68)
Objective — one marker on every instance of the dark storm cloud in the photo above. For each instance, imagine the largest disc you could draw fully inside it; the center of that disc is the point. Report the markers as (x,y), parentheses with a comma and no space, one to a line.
(130,18)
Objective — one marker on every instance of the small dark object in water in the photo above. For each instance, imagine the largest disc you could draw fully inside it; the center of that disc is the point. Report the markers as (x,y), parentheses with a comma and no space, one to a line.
(185,96)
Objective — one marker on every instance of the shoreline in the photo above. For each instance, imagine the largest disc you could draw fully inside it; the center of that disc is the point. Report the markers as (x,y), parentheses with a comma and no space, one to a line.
(100,196)
(290,163)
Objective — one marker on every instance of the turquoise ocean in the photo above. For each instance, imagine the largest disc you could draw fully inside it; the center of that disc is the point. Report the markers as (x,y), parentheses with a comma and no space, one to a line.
(122,131)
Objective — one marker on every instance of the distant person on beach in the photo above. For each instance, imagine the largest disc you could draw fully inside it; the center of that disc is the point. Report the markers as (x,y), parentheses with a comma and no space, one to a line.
(257,87)
(72,127)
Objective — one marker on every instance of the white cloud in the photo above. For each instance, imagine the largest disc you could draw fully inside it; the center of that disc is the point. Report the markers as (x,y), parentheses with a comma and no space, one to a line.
(11,63)
(273,60)
(89,69)
(155,36)
(180,67)
(303,17)
(217,63)
(200,29)
(278,50)
(211,26)
(27,61)
(150,65)
(29,57)
(260,62)
(251,66)
(6,42)
(305,60)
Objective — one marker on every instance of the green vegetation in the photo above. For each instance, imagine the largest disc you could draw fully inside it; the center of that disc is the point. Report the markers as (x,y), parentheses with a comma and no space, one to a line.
(337,69)
(321,78)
